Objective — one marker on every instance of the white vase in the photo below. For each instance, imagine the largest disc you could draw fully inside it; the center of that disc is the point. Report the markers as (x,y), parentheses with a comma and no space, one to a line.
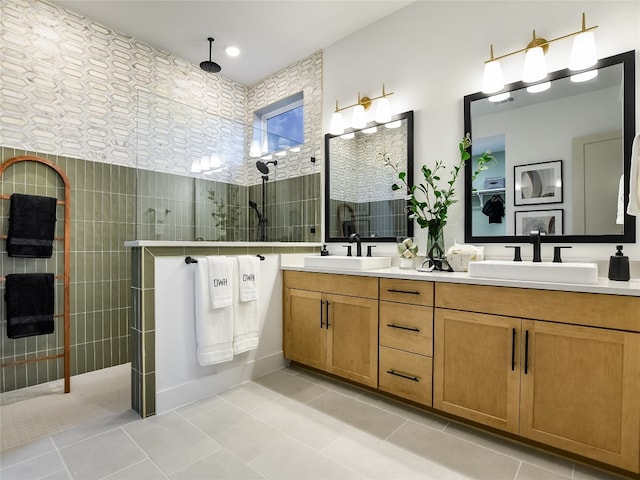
(407,263)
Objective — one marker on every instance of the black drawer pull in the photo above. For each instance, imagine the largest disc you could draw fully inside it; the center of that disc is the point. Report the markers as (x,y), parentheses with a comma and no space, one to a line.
(402,375)
(393,290)
(411,329)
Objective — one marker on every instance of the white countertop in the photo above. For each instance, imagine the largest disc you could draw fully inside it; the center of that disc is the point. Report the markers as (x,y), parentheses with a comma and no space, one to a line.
(606,286)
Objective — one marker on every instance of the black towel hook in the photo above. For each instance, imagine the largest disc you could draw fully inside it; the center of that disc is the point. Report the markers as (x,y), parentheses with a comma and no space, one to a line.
(190,260)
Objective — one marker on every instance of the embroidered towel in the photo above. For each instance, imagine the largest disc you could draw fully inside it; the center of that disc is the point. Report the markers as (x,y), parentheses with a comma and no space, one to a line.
(248,270)
(32,222)
(220,281)
(214,327)
(30,304)
(246,328)
(634,180)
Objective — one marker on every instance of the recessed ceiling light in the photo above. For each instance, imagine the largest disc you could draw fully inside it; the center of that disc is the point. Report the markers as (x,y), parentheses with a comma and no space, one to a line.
(232,50)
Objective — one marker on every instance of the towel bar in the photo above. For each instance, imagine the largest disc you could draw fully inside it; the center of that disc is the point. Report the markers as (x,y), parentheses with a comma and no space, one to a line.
(190,260)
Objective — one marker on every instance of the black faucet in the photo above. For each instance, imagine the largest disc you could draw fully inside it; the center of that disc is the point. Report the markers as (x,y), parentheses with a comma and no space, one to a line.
(356,237)
(536,240)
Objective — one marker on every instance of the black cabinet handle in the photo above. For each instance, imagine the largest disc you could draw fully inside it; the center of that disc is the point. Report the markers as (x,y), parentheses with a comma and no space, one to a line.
(327,314)
(526,352)
(513,349)
(402,375)
(400,327)
(321,304)
(392,290)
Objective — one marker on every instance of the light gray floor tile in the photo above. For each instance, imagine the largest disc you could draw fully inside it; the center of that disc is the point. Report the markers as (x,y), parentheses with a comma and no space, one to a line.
(379,460)
(292,460)
(145,470)
(171,441)
(328,382)
(93,428)
(403,410)
(221,465)
(539,458)
(25,452)
(531,472)
(357,414)
(102,455)
(249,396)
(240,432)
(201,406)
(63,475)
(293,387)
(302,422)
(35,468)
(465,458)
(583,472)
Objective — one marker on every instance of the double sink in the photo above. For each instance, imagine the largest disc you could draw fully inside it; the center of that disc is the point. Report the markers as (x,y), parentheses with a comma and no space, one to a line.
(569,272)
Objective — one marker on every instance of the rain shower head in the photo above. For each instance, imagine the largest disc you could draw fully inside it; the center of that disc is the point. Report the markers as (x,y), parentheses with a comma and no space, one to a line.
(264,167)
(208,65)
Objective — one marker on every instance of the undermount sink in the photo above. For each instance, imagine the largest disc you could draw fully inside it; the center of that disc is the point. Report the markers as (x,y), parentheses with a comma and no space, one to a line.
(572,272)
(347,263)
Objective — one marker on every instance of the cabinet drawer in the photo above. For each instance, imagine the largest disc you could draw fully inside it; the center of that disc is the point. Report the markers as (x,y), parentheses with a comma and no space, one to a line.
(351,285)
(415,292)
(407,327)
(405,375)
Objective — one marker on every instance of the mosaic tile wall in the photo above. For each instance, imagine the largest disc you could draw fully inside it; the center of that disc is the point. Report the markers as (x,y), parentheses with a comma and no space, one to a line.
(102,218)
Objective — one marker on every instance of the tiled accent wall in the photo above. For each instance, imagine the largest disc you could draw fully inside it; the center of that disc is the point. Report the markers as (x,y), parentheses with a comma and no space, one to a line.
(303,76)
(292,209)
(143,334)
(102,218)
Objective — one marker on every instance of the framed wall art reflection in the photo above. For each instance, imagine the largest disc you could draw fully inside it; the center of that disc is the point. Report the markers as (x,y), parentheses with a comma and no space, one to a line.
(548,222)
(538,183)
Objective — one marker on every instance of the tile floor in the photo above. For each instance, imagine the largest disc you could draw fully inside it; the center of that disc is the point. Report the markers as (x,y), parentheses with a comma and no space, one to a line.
(290,424)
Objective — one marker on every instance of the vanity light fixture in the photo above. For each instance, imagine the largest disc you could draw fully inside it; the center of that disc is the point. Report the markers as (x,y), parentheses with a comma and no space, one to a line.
(583,56)
(370,130)
(358,120)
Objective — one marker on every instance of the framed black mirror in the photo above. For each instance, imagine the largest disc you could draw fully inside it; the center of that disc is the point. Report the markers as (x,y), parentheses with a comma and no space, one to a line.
(562,158)
(358,194)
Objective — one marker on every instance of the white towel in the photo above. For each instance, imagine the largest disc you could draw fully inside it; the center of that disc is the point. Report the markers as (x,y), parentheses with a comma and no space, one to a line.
(634,179)
(248,271)
(246,327)
(620,215)
(220,281)
(214,327)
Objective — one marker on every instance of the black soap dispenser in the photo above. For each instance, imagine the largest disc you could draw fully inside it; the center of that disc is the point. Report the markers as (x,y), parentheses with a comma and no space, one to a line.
(324,252)
(619,266)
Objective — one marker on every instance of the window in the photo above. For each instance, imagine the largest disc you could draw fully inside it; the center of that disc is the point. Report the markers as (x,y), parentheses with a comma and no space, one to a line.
(280,125)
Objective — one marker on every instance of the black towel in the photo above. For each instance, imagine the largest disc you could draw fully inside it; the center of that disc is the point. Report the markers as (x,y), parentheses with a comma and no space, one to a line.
(30,304)
(32,222)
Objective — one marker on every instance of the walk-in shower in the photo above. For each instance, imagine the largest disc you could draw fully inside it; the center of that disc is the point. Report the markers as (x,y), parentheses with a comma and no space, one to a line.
(263,167)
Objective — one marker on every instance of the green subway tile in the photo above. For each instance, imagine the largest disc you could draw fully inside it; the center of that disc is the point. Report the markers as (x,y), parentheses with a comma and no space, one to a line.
(148,310)
(149,351)
(149,394)
(136,383)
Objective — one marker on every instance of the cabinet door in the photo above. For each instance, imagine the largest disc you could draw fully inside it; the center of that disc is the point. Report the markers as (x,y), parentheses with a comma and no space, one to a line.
(476,375)
(581,391)
(352,341)
(305,328)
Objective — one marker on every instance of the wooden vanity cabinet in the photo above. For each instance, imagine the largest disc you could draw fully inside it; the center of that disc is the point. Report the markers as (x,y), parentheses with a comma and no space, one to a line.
(331,323)
(550,379)
(406,339)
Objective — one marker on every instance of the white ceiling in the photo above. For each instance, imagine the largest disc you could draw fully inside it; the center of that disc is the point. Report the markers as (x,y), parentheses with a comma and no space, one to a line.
(270,34)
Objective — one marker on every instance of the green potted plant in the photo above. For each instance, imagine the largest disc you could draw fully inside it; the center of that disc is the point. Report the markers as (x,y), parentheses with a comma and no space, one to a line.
(429,201)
